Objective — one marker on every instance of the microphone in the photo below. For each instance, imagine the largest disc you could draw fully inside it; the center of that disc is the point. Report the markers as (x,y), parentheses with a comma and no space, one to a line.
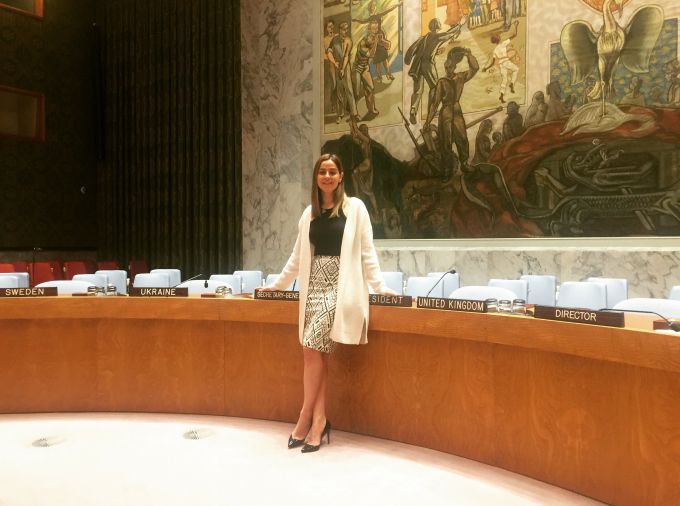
(452,271)
(671,324)
(190,279)
(32,273)
(294,283)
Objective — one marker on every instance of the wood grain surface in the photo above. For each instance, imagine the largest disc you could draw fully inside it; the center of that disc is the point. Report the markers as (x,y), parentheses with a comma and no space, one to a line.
(591,409)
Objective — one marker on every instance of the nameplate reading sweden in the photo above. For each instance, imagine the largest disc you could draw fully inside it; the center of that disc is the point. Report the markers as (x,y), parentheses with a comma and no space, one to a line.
(159,292)
(28,292)
(278,295)
(470,306)
(390,300)
(574,315)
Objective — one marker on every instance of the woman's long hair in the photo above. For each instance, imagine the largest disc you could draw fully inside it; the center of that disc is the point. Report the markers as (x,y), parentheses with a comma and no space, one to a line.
(338,194)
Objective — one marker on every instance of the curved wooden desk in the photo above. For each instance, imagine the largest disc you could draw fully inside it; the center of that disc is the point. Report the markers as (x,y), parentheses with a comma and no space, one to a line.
(591,409)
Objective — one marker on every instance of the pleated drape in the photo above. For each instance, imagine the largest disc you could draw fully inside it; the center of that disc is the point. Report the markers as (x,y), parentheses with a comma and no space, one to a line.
(170,181)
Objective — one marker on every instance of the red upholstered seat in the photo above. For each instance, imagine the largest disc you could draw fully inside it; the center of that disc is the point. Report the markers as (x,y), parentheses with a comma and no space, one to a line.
(20,266)
(45,271)
(72,268)
(6,267)
(108,265)
(137,267)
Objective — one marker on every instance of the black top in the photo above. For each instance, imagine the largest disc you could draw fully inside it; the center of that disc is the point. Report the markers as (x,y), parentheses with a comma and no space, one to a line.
(325,233)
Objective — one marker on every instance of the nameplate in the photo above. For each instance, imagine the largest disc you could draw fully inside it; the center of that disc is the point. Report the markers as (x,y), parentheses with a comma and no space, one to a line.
(575,315)
(159,292)
(470,306)
(277,295)
(29,292)
(390,300)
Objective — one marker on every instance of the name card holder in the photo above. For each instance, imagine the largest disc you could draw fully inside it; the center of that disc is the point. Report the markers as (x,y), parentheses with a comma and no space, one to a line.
(375,299)
(289,295)
(159,292)
(29,292)
(469,306)
(575,315)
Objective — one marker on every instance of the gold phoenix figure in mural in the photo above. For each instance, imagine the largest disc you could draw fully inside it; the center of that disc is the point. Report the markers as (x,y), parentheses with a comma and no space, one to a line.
(586,49)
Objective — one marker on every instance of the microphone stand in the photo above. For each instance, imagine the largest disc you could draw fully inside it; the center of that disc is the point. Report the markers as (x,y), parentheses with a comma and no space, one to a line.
(675,326)
(32,273)
(451,271)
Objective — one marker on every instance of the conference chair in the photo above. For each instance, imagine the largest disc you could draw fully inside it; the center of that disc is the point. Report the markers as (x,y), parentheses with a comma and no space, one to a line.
(582,294)
(251,280)
(22,277)
(45,271)
(518,286)
(449,283)
(175,275)
(66,286)
(115,277)
(482,293)
(271,279)
(71,268)
(665,307)
(421,286)
(99,280)
(198,286)
(7,267)
(617,289)
(9,282)
(393,280)
(233,280)
(137,267)
(540,289)
(675,293)
(20,266)
(152,280)
(107,265)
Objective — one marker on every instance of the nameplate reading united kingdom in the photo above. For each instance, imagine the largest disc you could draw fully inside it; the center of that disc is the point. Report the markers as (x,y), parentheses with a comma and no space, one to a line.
(470,306)
(159,292)
(575,315)
(277,295)
(390,300)
(28,292)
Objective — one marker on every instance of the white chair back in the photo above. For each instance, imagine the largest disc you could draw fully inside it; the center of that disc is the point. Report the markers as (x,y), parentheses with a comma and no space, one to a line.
(66,286)
(482,293)
(540,288)
(582,294)
(665,307)
(420,286)
(23,278)
(675,293)
(449,283)
(99,280)
(251,280)
(617,289)
(9,282)
(233,280)
(518,286)
(175,275)
(271,279)
(117,278)
(198,286)
(152,280)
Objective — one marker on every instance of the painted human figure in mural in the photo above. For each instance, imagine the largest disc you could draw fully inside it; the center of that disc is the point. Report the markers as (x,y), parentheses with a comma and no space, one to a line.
(556,107)
(362,82)
(634,95)
(362,175)
(381,56)
(503,57)
(483,142)
(537,110)
(339,53)
(420,56)
(672,69)
(451,128)
(513,126)
(328,36)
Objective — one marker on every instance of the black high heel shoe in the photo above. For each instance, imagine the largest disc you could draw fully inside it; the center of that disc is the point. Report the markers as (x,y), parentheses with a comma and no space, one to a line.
(307,448)
(294,443)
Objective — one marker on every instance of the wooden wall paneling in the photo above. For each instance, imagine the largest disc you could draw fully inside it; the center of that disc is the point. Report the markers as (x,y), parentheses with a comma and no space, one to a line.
(47,365)
(166,366)
(560,418)
(262,371)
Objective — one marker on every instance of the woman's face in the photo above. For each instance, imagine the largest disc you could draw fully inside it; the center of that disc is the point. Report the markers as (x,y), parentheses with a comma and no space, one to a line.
(328,178)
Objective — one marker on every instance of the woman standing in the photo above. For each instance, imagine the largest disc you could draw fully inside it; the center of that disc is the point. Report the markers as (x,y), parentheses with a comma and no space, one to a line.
(334,260)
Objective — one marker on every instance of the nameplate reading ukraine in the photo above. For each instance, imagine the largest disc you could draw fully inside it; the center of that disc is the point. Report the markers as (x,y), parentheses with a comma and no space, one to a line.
(278,295)
(376,299)
(575,315)
(29,292)
(470,306)
(159,292)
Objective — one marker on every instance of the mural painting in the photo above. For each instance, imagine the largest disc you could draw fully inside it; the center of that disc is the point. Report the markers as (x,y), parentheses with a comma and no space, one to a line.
(593,152)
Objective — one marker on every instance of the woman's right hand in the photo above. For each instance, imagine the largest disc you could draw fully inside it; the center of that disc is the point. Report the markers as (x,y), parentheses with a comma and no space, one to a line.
(266,289)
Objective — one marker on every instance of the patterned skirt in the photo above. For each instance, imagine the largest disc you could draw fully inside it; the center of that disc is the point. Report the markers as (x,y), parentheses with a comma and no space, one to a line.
(320,307)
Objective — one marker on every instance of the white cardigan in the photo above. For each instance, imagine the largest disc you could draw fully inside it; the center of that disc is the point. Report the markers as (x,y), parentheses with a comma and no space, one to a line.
(358,267)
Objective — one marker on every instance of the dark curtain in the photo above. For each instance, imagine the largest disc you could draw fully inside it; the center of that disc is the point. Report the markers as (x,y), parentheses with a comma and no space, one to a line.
(170,178)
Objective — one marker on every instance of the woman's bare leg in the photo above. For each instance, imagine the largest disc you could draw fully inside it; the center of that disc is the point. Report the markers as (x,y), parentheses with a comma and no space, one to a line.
(313,378)
(319,412)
